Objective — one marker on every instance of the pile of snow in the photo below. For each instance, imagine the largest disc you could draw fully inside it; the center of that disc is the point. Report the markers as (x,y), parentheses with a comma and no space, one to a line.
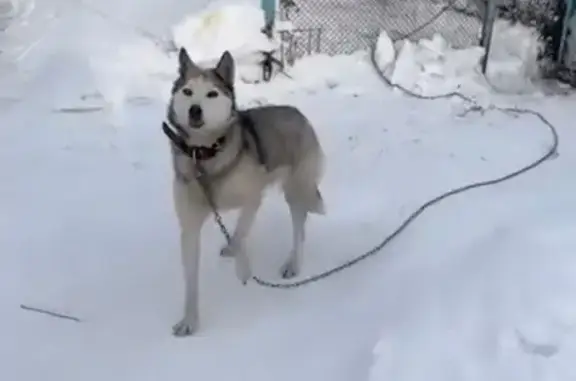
(433,67)
(128,70)
(385,52)
(234,27)
(513,59)
(313,75)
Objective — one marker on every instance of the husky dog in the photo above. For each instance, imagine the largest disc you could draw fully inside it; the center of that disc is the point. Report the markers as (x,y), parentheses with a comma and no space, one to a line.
(235,155)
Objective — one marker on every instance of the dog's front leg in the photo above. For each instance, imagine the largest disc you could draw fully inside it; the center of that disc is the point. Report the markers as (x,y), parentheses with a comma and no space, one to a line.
(237,247)
(191,217)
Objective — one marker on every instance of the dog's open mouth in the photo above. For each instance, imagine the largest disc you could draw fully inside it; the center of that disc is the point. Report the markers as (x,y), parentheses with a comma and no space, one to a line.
(196,124)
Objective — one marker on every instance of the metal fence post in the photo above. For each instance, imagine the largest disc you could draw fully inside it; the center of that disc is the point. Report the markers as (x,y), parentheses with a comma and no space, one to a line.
(487,29)
(568,14)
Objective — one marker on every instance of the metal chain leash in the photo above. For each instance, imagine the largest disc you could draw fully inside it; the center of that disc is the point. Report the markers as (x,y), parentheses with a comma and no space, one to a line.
(204,182)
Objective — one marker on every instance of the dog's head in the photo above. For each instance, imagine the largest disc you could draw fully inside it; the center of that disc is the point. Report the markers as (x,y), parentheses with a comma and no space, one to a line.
(203,99)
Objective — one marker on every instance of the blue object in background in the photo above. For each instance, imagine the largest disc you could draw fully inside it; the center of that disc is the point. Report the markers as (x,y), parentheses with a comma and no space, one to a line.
(565,24)
(269,8)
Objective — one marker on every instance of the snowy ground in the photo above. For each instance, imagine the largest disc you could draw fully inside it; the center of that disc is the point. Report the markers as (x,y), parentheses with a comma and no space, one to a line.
(480,288)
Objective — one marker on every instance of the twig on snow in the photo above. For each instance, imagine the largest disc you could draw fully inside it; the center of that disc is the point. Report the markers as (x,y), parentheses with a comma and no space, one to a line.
(79,110)
(50,313)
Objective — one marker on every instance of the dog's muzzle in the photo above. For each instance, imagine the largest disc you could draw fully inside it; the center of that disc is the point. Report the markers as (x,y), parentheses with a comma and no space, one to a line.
(196,117)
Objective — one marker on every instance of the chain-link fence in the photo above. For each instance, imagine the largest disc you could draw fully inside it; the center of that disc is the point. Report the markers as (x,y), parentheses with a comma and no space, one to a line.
(344,26)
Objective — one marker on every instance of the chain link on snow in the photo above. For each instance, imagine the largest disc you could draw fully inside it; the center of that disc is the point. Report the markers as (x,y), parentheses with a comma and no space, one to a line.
(473,107)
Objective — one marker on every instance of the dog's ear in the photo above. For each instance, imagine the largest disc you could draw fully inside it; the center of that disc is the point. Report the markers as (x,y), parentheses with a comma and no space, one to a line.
(187,67)
(225,68)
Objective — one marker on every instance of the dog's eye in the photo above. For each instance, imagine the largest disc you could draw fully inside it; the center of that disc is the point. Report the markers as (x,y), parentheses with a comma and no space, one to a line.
(187,92)
(212,94)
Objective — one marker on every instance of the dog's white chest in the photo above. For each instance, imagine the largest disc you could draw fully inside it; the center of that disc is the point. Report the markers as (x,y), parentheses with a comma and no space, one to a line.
(243,185)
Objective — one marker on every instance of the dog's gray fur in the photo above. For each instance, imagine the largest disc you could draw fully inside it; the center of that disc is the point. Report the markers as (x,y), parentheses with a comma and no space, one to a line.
(239,173)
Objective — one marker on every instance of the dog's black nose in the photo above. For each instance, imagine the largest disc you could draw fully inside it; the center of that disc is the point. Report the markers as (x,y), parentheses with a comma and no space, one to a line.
(195,113)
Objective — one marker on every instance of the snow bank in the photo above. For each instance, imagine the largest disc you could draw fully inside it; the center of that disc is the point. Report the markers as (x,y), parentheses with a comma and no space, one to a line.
(504,312)
(432,66)
(313,74)
(233,27)
(385,52)
(513,61)
(140,67)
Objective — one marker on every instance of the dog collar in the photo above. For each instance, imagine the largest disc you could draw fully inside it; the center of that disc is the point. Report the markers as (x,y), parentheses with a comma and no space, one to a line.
(200,153)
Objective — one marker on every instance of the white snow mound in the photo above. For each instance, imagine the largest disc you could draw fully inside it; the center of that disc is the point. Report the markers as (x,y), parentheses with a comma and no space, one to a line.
(233,27)
(432,67)
(385,52)
(513,61)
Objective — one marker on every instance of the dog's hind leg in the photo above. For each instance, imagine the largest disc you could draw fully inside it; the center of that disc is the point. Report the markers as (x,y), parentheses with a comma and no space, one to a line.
(237,247)
(191,219)
(299,215)
(296,195)
(303,197)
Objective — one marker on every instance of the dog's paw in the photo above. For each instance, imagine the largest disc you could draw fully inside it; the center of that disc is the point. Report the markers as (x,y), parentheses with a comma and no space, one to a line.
(186,327)
(241,261)
(228,251)
(290,269)
(243,268)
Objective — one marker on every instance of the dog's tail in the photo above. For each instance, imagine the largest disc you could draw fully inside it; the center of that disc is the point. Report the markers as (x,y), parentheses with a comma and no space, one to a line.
(303,184)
